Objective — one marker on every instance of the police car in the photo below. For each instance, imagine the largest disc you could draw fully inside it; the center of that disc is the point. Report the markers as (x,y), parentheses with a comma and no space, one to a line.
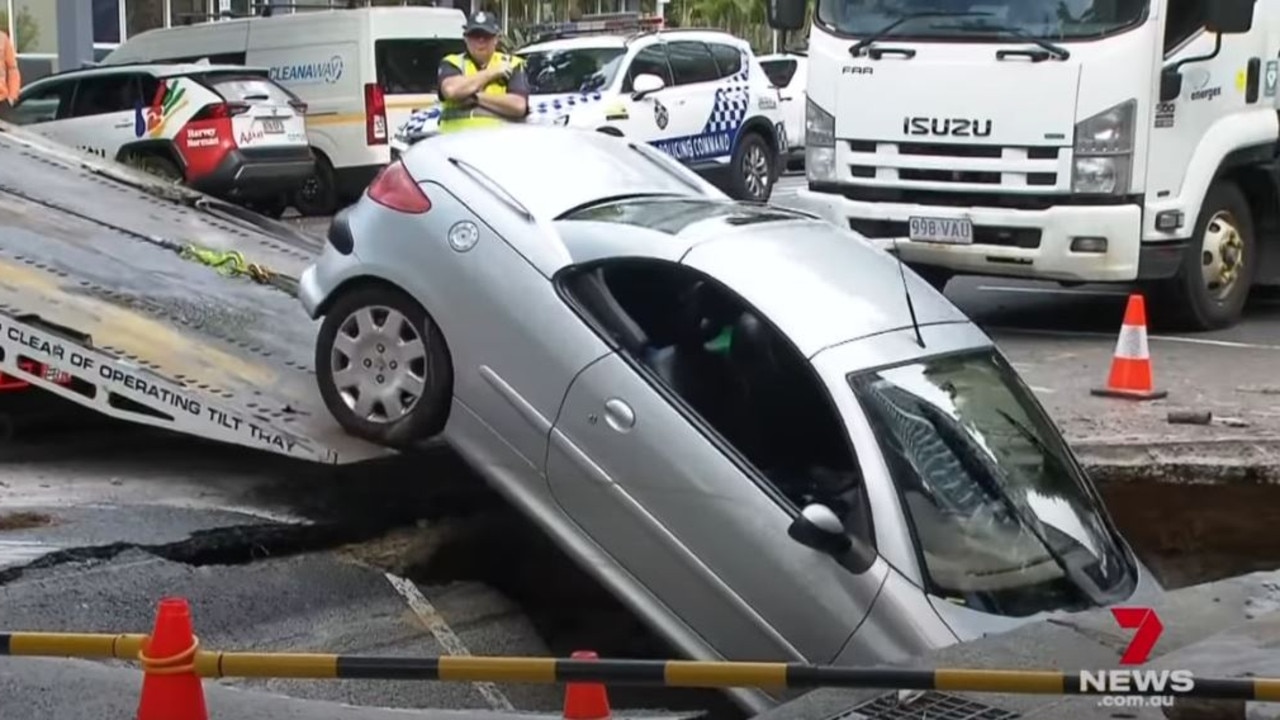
(225,130)
(698,95)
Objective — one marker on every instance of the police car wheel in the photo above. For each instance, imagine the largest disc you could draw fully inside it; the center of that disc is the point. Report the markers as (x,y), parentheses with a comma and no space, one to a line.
(384,370)
(753,171)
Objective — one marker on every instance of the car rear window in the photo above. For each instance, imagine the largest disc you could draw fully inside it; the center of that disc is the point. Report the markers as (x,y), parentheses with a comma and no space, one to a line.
(410,66)
(248,88)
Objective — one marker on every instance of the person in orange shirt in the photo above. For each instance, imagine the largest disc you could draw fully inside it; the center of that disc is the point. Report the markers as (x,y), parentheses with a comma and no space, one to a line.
(10,78)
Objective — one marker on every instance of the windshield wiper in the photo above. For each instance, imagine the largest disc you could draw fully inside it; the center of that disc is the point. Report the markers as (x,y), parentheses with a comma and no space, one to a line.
(1053,49)
(985,473)
(857,48)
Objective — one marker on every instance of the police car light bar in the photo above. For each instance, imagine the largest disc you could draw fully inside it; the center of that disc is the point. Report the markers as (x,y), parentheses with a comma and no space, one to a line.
(606,24)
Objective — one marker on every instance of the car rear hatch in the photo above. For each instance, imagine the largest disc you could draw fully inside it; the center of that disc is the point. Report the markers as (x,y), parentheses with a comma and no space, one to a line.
(265,114)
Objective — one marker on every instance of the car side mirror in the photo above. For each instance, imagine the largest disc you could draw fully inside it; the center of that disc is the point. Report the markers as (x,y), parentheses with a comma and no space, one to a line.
(786,14)
(819,528)
(644,84)
(1170,84)
(1229,17)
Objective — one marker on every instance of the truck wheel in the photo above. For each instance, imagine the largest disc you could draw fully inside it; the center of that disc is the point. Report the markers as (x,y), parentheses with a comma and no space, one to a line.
(318,196)
(1211,287)
(752,168)
(383,368)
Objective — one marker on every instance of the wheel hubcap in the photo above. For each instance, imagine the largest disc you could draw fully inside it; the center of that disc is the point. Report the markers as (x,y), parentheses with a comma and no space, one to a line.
(755,171)
(378,364)
(1222,255)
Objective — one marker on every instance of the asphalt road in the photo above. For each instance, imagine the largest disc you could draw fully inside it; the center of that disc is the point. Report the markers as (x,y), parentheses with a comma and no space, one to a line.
(410,556)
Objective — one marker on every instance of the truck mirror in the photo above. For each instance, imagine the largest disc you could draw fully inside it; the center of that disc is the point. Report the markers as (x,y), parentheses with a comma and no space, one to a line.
(786,14)
(1229,17)
(1170,85)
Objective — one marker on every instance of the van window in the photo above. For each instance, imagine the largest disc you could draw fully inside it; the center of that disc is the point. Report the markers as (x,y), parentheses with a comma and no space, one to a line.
(411,66)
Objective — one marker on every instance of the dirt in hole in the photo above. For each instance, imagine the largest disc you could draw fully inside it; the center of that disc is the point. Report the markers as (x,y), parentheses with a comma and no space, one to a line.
(24,520)
(1196,533)
(570,611)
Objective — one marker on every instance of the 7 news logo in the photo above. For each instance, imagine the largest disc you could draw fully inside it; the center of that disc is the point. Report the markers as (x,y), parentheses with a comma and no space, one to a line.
(1152,683)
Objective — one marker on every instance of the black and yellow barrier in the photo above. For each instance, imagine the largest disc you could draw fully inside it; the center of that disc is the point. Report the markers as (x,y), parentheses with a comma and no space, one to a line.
(668,673)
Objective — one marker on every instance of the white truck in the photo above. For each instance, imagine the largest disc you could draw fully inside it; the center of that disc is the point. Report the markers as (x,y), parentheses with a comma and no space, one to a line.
(1079,141)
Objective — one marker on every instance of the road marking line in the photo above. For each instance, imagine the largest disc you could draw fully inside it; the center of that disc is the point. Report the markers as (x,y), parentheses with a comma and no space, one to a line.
(1053,291)
(1165,338)
(445,635)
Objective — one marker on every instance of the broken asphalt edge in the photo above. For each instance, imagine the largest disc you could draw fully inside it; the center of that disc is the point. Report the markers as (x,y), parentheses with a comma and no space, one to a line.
(1254,460)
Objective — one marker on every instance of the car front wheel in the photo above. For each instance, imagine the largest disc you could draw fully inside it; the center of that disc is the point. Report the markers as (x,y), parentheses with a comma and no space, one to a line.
(383,368)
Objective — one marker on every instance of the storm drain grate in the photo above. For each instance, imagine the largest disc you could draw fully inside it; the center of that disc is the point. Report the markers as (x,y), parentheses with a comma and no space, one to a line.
(926,706)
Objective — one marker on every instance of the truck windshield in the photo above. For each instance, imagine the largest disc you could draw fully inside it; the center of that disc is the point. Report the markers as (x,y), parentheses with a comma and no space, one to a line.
(1004,520)
(572,70)
(1001,19)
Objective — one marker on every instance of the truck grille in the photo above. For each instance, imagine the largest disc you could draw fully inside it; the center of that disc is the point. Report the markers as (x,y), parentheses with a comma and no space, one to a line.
(953,166)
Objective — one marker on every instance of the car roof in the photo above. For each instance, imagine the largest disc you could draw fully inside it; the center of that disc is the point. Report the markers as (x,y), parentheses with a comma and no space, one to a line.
(602,40)
(576,43)
(156,69)
(822,284)
(550,170)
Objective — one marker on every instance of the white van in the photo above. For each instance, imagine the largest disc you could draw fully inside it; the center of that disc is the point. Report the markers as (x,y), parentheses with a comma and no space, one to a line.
(360,71)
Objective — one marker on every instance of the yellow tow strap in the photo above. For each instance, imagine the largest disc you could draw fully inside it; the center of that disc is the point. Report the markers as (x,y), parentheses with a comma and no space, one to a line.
(229,263)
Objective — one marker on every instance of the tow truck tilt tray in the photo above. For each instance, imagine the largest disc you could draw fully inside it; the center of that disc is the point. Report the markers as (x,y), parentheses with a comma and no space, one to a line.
(142,334)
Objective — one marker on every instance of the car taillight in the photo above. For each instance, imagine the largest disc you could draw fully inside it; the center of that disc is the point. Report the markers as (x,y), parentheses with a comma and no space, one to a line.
(375,115)
(395,188)
(220,110)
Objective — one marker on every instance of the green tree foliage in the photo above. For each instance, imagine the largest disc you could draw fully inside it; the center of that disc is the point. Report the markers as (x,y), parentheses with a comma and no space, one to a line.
(25,27)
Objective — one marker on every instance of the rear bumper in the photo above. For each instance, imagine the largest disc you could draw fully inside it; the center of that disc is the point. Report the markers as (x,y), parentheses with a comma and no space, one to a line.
(258,172)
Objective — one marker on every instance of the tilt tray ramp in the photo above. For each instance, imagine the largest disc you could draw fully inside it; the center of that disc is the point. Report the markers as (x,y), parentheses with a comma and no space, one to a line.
(152,299)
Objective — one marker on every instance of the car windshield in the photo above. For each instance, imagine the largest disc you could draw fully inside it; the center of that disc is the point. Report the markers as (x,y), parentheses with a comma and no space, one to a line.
(572,70)
(1004,519)
(998,19)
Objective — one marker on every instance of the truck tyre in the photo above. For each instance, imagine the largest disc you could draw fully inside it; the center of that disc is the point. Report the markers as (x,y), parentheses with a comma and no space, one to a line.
(383,368)
(318,196)
(1211,287)
(752,169)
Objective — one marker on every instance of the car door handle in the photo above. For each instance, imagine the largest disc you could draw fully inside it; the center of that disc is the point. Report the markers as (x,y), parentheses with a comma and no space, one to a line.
(618,415)
(124,124)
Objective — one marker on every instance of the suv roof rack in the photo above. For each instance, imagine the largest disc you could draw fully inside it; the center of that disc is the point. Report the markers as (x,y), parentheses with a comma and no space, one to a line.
(629,24)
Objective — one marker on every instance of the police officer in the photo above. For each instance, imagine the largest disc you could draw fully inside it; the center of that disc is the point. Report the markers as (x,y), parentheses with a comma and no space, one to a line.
(482,87)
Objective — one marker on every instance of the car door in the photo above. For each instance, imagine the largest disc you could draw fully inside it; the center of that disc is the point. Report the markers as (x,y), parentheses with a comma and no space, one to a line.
(652,485)
(45,108)
(104,114)
(649,117)
(700,130)
(786,74)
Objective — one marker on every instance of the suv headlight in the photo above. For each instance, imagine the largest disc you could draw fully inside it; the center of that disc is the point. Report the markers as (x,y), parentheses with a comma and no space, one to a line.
(819,143)
(1103,163)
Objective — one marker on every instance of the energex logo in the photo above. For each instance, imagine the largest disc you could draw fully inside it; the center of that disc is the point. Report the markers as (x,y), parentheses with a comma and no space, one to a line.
(1152,684)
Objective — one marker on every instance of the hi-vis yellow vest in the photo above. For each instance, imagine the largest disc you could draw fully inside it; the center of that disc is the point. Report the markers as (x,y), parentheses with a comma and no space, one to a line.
(455,116)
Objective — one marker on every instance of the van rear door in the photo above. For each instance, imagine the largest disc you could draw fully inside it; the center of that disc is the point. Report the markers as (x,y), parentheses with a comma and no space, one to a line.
(407,70)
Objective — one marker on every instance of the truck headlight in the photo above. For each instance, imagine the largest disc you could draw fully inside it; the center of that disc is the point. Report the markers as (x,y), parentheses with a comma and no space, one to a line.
(1103,163)
(819,143)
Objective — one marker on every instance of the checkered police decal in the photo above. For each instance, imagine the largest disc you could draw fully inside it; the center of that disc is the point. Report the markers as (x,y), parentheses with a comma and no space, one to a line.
(718,136)
(564,103)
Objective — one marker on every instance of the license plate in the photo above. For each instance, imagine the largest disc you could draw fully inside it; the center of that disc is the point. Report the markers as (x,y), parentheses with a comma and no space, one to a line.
(273,127)
(950,231)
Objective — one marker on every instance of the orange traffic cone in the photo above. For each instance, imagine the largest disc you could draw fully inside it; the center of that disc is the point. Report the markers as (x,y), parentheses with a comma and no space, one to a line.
(1131,375)
(586,701)
(171,690)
